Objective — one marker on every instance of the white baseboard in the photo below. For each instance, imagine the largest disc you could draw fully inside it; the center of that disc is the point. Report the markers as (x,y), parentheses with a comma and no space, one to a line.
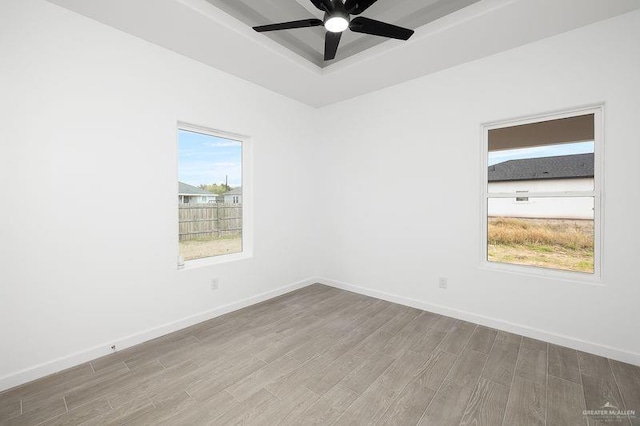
(558,339)
(71,360)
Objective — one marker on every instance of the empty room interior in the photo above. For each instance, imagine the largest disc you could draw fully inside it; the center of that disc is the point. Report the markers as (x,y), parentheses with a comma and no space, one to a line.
(319,212)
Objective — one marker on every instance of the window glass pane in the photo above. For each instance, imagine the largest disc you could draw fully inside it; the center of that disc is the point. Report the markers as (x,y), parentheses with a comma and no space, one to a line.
(209,195)
(554,232)
(549,156)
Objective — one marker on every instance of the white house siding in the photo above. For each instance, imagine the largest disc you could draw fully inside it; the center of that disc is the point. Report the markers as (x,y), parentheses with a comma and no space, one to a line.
(196,199)
(557,208)
(233,199)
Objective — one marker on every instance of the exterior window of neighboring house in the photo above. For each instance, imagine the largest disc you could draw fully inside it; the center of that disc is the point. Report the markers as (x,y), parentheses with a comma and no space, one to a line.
(522,199)
(556,228)
(210,165)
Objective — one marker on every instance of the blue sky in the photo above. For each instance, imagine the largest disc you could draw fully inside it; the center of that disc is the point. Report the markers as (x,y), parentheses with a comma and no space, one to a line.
(206,159)
(496,157)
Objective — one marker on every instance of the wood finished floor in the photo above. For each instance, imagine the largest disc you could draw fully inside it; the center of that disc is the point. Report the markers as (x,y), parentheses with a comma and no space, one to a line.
(321,355)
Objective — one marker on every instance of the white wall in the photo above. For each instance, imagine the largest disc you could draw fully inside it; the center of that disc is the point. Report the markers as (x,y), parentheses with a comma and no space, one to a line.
(86,109)
(421,142)
(552,207)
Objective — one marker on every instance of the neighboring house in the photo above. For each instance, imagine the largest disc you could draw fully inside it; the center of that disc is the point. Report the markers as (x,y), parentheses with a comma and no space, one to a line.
(188,194)
(547,174)
(233,197)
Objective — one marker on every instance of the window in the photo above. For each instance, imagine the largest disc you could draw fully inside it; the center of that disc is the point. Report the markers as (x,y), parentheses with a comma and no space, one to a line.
(522,199)
(210,171)
(556,227)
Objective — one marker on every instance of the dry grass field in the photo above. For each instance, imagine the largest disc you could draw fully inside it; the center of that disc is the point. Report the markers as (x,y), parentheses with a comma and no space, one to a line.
(196,249)
(549,243)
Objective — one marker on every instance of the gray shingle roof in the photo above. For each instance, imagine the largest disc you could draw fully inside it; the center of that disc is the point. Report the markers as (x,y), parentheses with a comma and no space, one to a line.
(186,189)
(234,191)
(561,167)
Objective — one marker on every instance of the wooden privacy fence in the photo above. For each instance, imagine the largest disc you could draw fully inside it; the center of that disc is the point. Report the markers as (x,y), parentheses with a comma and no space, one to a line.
(204,221)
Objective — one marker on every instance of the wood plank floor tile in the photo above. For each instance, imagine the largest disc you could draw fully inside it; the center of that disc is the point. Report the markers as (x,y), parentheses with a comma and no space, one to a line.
(427,342)
(125,414)
(166,407)
(444,324)
(506,337)
(501,363)
(482,339)
(594,366)
(335,372)
(153,384)
(44,410)
(373,403)
(628,380)
(52,387)
(565,403)
(312,348)
(368,408)
(600,393)
(409,406)
(367,372)
(82,414)
(447,406)
(81,396)
(212,385)
(329,408)
(437,367)
(10,406)
(286,411)
(563,363)
(457,337)
(527,404)
(487,404)
(248,411)
(533,344)
(244,388)
(205,412)
(409,334)
(467,368)
(532,365)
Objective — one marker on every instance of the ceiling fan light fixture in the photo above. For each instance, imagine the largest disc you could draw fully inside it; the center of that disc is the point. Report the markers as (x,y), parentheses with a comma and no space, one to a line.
(336,23)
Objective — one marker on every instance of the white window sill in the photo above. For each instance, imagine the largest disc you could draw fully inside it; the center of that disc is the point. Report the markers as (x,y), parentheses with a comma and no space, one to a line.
(533,271)
(215,260)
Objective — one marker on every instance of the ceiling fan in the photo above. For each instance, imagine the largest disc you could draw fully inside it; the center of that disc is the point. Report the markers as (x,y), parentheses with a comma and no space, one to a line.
(337,18)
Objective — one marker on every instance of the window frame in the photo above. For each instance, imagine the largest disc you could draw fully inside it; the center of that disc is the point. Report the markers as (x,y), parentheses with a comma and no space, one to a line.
(597,277)
(247,192)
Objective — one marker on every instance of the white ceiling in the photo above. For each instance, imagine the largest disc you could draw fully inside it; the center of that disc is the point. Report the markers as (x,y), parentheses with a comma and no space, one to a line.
(201,31)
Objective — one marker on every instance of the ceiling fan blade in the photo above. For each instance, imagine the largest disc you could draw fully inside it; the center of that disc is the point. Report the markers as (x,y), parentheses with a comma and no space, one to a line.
(356,7)
(304,23)
(373,27)
(324,5)
(331,42)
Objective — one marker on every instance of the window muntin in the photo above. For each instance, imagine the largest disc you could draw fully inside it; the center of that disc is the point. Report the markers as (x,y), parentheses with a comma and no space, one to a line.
(209,166)
(556,227)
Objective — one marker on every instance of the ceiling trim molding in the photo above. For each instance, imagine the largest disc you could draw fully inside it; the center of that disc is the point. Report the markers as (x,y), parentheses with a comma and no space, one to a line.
(200,31)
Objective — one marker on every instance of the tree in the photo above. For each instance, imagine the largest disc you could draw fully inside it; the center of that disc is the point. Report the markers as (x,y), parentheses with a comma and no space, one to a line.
(215,188)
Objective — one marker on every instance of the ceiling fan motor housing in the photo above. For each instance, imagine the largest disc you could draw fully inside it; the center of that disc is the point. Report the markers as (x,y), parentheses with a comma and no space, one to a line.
(337,20)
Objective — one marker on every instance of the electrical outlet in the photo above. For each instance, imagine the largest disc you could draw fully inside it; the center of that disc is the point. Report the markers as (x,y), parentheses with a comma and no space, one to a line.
(442,282)
(214,284)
